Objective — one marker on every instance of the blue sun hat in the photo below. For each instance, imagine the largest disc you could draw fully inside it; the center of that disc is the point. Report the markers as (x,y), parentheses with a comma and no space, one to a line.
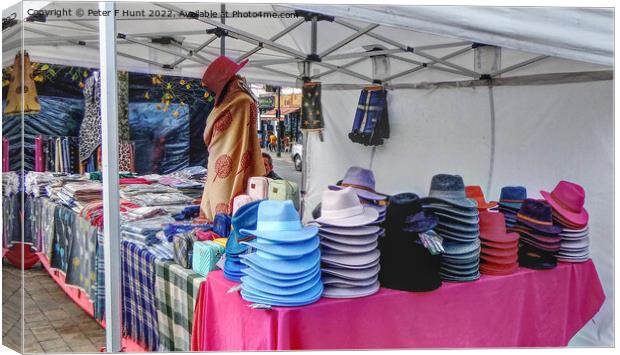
(277,277)
(302,299)
(266,277)
(250,283)
(285,250)
(279,221)
(244,217)
(280,265)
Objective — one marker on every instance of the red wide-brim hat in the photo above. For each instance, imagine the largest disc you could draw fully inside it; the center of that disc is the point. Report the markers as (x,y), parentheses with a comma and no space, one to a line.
(218,73)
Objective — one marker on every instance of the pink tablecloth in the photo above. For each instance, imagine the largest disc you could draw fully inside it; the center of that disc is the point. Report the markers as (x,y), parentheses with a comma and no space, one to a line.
(527,309)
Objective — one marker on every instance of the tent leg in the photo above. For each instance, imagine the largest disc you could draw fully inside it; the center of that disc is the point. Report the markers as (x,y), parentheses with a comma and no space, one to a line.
(492,155)
(109,112)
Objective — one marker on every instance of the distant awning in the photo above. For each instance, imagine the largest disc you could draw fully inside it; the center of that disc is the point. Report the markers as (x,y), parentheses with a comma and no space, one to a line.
(283,112)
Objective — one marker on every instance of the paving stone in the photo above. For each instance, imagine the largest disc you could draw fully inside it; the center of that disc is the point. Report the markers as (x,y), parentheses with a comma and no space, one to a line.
(45,333)
(55,314)
(53,344)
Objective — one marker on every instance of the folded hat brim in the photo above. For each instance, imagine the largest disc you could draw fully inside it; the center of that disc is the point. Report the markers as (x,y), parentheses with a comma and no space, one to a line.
(500,253)
(550,229)
(499,245)
(340,282)
(284,266)
(452,219)
(516,206)
(457,234)
(361,230)
(368,216)
(352,274)
(260,276)
(327,245)
(296,249)
(287,236)
(459,202)
(510,237)
(350,292)
(579,218)
(255,296)
(232,266)
(279,277)
(449,210)
(461,248)
(281,291)
(350,240)
(452,278)
(351,260)
(368,195)
(499,259)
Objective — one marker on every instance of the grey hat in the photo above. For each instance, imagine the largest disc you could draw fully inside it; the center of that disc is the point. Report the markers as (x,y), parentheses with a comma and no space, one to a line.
(450,271)
(448,277)
(450,189)
(350,292)
(327,245)
(454,219)
(340,282)
(351,274)
(351,260)
(356,231)
(350,240)
(449,209)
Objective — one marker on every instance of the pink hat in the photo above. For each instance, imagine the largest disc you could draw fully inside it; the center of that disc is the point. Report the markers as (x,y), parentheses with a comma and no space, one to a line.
(567,200)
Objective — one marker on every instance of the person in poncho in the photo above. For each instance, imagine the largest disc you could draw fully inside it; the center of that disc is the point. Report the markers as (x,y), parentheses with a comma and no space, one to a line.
(231,138)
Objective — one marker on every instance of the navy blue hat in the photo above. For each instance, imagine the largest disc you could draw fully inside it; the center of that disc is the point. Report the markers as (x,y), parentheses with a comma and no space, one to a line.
(405,212)
(512,196)
(537,214)
(450,189)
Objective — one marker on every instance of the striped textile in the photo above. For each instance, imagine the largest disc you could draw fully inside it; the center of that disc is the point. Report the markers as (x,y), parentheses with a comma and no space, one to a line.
(176,289)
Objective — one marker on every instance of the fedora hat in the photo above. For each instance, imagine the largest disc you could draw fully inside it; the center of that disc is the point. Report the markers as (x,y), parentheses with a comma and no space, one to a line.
(285,250)
(460,278)
(493,228)
(350,292)
(362,181)
(353,231)
(449,189)
(495,270)
(405,212)
(278,221)
(262,276)
(463,237)
(350,240)
(284,266)
(500,253)
(277,276)
(245,217)
(329,246)
(311,295)
(499,260)
(340,282)
(567,199)
(475,193)
(288,290)
(512,196)
(447,218)
(500,245)
(537,215)
(351,260)
(444,208)
(342,208)
(534,258)
(351,274)
(219,73)
(453,248)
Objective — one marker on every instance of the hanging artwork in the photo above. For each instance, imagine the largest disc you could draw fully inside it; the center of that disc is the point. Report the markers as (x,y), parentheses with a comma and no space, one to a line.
(311,113)
(15,99)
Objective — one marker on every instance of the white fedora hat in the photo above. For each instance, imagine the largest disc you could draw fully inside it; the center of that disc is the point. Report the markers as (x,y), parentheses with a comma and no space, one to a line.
(343,209)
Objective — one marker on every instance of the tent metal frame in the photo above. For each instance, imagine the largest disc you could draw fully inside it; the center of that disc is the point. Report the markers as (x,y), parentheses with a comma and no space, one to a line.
(106,42)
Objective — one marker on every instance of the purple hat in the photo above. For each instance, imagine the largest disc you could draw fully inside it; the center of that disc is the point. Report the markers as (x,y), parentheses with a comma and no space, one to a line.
(362,181)
(537,214)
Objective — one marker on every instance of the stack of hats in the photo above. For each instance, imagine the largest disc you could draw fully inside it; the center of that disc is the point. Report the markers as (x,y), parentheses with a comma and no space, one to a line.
(405,263)
(539,239)
(349,254)
(244,218)
(362,181)
(567,200)
(458,226)
(510,201)
(285,269)
(475,193)
(500,249)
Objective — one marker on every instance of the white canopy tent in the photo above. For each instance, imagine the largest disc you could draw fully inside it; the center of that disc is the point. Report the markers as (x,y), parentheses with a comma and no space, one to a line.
(502,96)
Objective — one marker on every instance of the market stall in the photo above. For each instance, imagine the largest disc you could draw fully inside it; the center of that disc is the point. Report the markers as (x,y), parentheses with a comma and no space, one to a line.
(453,102)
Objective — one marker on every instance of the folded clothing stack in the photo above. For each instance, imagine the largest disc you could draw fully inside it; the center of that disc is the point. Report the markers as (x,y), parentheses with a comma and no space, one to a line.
(539,239)
(567,200)
(78,194)
(10,183)
(458,226)
(284,270)
(349,246)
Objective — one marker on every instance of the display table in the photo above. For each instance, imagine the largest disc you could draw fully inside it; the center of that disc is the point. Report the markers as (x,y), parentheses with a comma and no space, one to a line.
(530,308)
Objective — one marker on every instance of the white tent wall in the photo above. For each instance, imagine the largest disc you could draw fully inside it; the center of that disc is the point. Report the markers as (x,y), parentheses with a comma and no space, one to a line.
(543,134)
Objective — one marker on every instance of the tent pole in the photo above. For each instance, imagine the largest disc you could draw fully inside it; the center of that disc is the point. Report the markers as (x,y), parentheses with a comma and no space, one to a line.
(149,45)
(359,60)
(348,40)
(423,65)
(519,65)
(463,70)
(109,112)
(223,21)
(274,38)
(195,51)
(492,154)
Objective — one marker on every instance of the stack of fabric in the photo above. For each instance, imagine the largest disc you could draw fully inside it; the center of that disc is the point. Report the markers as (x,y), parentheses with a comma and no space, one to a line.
(539,239)
(10,183)
(475,193)
(349,244)
(148,234)
(458,226)
(190,188)
(244,218)
(154,195)
(36,182)
(567,200)
(78,194)
(405,263)
(499,250)
(285,269)
(362,181)
(510,201)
